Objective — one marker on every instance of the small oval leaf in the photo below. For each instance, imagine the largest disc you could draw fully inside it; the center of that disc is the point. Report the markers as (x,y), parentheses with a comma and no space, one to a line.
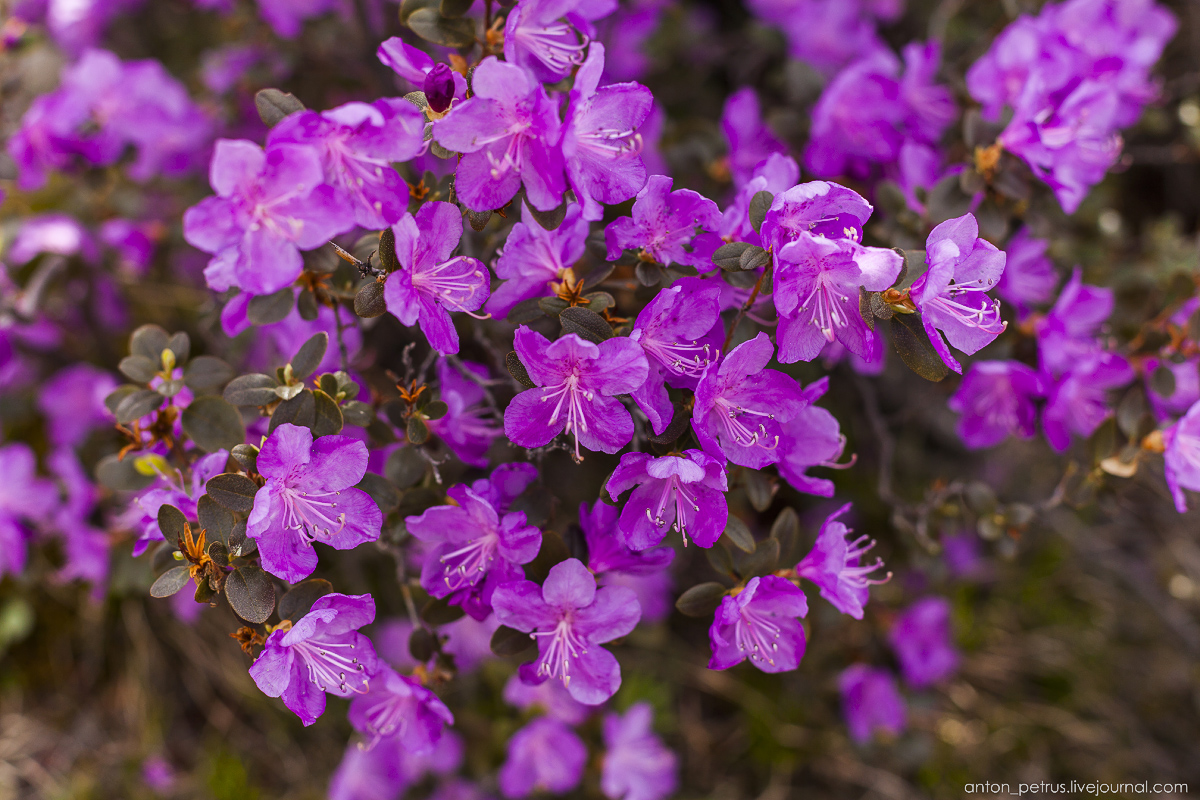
(700,600)
(250,593)
(739,535)
(170,582)
(232,491)
(171,522)
(308,358)
(296,602)
(251,390)
(510,642)
(213,424)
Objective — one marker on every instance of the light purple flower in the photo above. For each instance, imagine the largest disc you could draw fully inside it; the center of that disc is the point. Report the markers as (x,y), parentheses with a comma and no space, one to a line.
(533,257)
(73,402)
(664,223)
(430,284)
(571,618)
(601,145)
(578,382)
(171,489)
(1067,335)
(549,697)
(322,652)
(997,399)
(828,34)
(835,565)
(358,143)
(760,623)
(416,66)
(1187,386)
(1029,277)
(775,174)
(923,641)
(871,702)
(475,549)
(52,233)
(544,755)
(812,438)
(740,405)
(509,132)
(607,553)
(750,141)
(952,295)
(24,497)
(287,17)
(397,706)
(269,206)
(387,771)
(1182,456)
(310,497)
(1078,403)
(540,42)
(468,427)
(819,208)
(684,493)
(637,765)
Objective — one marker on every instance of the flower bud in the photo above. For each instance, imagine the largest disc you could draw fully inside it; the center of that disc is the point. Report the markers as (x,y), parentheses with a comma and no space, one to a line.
(439,87)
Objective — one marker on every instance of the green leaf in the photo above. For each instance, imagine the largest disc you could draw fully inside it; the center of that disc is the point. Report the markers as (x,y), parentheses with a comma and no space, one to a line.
(701,600)
(298,600)
(181,345)
(680,420)
(328,415)
(247,456)
(435,410)
(760,204)
(213,424)
(250,593)
(526,311)
(216,521)
(448,32)
(729,256)
(585,323)
(273,105)
(219,553)
(121,475)
(113,399)
(1162,381)
(416,430)
(232,491)
(136,405)
(405,467)
(171,522)
(455,8)
(760,489)
(139,368)
(207,374)
(786,530)
(515,368)
(552,306)
(719,558)
(239,545)
(369,302)
(753,258)
(251,390)
(916,351)
(387,250)
(439,612)
(308,358)
(170,582)
(149,341)
(507,642)
(300,410)
(738,534)
(478,220)
(383,493)
(358,413)
(550,220)
(763,561)
(267,309)
(307,307)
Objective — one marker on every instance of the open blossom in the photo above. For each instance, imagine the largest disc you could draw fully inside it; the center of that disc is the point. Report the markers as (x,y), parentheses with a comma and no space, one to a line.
(475,549)
(760,623)
(322,652)
(827,34)
(923,641)
(395,705)
(549,697)
(1067,335)
(871,702)
(509,132)
(358,143)
(835,565)
(310,497)
(812,438)
(614,563)
(430,284)
(537,39)
(387,771)
(817,283)
(637,765)
(1182,456)
(664,223)
(419,69)
(533,257)
(24,497)
(601,145)
(1078,403)
(73,402)
(820,208)
(997,399)
(952,295)
(169,489)
(750,140)
(578,382)
(672,330)
(777,173)
(468,428)
(740,405)
(1029,277)
(269,206)
(544,755)
(570,618)
(684,493)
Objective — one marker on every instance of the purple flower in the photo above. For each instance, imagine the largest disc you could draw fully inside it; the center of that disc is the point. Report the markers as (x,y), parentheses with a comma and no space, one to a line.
(828,34)
(475,549)
(1078,403)
(52,233)
(1182,456)
(1067,335)
(664,223)
(684,493)
(812,438)
(548,697)
(760,623)
(835,565)
(601,145)
(537,40)
(387,771)
(286,17)
(73,402)
(952,294)
(322,652)
(740,404)
(509,131)
(468,428)
(310,497)
(923,642)
(672,330)
(997,399)
(545,755)
(607,553)
(269,206)
(1187,386)
(133,242)
(871,702)
(419,69)
(578,383)
(817,282)
(398,706)
(430,284)
(637,765)
(776,174)
(23,497)
(171,489)
(750,140)
(1029,277)
(533,257)
(829,210)
(571,618)
(358,142)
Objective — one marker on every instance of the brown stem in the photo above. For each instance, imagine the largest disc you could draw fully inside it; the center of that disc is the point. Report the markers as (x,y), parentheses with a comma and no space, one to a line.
(745,307)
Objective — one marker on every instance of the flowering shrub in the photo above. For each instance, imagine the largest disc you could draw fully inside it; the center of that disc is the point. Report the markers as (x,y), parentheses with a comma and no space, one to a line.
(486,372)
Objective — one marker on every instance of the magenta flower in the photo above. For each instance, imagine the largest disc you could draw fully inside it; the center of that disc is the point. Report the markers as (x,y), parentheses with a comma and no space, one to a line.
(828,34)
(533,257)
(664,224)
(812,438)
(1078,403)
(397,706)
(1067,335)
(169,489)
(775,174)
(578,382)
(468,428)
(1029,277)
(601,145)
(540,42)
(684,493)
(24,497)
(637,765)
(73,402)
(952,295)
(871,702)
(358,143)
(310,497)
(545,755)
(835,565)
(550,698)
(1187,386)
(269,206)
(819,208)
(322,652)
(1182,456)
(607,553)
(740,405)
(475,549)
(923,641)
(509,131)
(570,618)
(750,141)
(287,17)
(817,282)
(760,623)
(419,69)
(430,284)
(997,399)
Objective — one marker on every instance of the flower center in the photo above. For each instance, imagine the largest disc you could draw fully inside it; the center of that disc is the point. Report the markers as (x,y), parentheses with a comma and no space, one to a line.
(563,645)
(453,283)
(757,636)
(676,494)
(571,397)
(332,664)
(745,435)
(467,565)
(311,514)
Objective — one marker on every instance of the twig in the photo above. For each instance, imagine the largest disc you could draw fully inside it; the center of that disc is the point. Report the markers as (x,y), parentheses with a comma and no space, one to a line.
(745,307)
